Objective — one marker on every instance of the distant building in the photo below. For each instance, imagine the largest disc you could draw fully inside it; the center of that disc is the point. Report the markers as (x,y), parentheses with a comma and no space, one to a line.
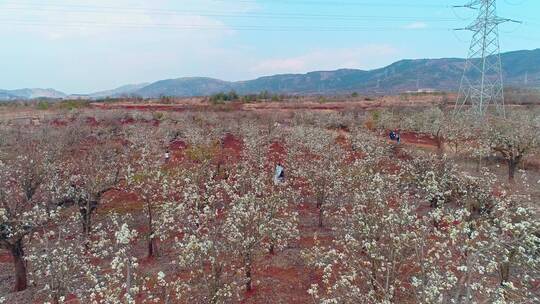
(78,97)
(429,91)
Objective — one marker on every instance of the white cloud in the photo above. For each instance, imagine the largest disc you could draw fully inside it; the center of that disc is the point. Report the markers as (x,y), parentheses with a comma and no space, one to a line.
(97,18)
(363,57)
(89,51)
(83,45)
(416,25)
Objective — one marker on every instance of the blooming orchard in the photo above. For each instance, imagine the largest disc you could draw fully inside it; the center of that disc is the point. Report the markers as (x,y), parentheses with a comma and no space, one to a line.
(367,220)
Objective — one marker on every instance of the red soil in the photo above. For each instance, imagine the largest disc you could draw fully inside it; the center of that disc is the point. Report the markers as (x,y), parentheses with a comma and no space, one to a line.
(418,139)
(178,145)
(140,107)
(5,257)
(285,279)
(92,121)
(177,149)
(232,146)
(59,123)
(127,121)
(277,153)
(120,202)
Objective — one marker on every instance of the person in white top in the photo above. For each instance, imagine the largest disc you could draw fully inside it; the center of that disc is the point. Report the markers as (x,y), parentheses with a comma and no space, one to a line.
(167,156)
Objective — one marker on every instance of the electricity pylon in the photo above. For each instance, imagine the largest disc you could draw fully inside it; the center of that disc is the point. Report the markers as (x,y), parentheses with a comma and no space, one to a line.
(482,81)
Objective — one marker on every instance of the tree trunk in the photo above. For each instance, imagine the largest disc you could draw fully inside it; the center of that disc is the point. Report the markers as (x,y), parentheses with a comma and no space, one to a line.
(56,299)
(151,241)
(321,213)
(151,247)
(440,144)
(21,282)
(128,277)
(215,283)
(512,165)
(319,203)
(86,221)
(373,277)
(504,270)
(218,169)
(248,278)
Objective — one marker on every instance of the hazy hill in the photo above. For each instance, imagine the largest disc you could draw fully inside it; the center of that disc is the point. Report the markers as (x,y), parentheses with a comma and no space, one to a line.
(6,95)
(53,94)
(30,94)
(521,70)
(120,91)
(192,86)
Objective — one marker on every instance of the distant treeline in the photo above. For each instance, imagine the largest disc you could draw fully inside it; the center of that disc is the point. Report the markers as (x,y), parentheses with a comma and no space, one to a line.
(48,104)
(263,96)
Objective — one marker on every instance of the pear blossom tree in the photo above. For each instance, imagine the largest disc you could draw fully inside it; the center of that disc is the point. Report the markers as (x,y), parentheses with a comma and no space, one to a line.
(368,145)
(389,119)
(195,221)
(208,264)
(435,178)
(496,258)
(258,218)
(462,134)
(61,263)
(94,172)
(514,138)
(147,177)
(432,121)
(374,250)
(318,159)
(67,265)
(26,204)
(119,279)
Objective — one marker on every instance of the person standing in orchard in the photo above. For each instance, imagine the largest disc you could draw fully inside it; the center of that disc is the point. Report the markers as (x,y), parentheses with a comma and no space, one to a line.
(279,175)
(167,156)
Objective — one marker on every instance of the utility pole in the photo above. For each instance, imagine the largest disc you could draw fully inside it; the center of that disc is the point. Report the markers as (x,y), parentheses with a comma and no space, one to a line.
(482,82)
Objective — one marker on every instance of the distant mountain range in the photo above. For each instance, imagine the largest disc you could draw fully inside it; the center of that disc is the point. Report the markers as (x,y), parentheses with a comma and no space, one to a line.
(521,69)
(31,94)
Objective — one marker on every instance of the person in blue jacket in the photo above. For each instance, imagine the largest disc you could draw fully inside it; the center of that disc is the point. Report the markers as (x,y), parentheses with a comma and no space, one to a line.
(392,135)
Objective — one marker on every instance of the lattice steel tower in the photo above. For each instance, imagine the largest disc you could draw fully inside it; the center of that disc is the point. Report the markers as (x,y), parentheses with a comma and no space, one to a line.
(482,81)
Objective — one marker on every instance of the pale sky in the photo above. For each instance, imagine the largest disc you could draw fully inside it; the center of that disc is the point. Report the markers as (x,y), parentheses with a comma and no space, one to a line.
(82,46)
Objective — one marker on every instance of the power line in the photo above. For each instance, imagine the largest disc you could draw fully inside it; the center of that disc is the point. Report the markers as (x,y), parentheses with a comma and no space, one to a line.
(66,8)
(292,17)
(345,3)
(103,9)
(210,27)
(303,2)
